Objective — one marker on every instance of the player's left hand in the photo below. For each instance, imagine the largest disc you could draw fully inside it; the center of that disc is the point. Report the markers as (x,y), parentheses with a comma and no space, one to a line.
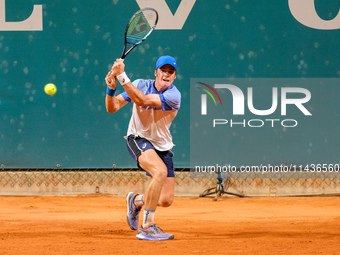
(111,80)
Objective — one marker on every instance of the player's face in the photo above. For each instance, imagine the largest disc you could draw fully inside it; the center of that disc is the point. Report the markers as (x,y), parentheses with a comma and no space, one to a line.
(165,76)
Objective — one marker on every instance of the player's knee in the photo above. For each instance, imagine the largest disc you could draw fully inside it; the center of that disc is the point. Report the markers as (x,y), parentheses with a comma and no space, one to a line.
(161,174)
(166,202)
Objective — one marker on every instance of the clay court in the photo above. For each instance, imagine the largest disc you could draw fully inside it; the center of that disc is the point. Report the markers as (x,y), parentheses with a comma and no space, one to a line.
(95,224)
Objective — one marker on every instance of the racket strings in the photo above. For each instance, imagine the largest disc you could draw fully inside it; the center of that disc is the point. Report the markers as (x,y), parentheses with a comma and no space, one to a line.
(141,26)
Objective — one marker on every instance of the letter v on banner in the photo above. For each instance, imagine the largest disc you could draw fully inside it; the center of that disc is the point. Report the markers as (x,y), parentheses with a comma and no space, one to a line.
(166,19)
(33,23)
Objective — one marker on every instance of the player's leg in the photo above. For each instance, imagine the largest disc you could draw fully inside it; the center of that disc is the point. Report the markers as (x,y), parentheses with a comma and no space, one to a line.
(149,160)
(157,167)
(153,164)
(134,201)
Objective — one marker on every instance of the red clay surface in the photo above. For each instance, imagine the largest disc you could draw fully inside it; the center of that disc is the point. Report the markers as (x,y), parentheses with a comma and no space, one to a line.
(95,224)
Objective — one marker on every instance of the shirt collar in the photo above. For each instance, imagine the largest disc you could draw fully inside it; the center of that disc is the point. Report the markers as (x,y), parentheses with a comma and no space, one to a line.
(156,91)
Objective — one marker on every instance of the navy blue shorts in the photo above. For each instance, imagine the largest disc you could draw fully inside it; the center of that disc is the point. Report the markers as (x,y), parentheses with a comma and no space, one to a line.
(138,144)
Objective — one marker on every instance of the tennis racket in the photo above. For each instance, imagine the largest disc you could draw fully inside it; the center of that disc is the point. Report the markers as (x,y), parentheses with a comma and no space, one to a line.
(139,28)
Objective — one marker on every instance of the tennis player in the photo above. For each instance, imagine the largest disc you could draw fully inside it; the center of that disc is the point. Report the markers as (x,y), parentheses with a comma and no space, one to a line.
(156,103)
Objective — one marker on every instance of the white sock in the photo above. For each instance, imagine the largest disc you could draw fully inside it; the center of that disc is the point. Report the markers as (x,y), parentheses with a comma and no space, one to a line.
(148,217)
(139,201)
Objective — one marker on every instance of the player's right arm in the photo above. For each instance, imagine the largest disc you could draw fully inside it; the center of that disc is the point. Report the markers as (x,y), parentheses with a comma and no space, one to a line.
(113,103)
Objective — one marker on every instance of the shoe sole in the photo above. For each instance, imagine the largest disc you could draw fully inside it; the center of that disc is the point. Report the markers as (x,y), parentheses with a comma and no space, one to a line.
(141,237)
(127,215)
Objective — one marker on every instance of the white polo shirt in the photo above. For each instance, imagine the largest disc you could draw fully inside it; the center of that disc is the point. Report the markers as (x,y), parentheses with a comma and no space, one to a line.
(152,123)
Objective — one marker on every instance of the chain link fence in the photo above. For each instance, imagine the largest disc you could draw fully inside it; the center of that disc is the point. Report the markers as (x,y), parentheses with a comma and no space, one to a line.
(120,181)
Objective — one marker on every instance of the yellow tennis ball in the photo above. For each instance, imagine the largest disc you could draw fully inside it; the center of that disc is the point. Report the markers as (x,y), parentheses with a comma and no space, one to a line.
(50,89)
